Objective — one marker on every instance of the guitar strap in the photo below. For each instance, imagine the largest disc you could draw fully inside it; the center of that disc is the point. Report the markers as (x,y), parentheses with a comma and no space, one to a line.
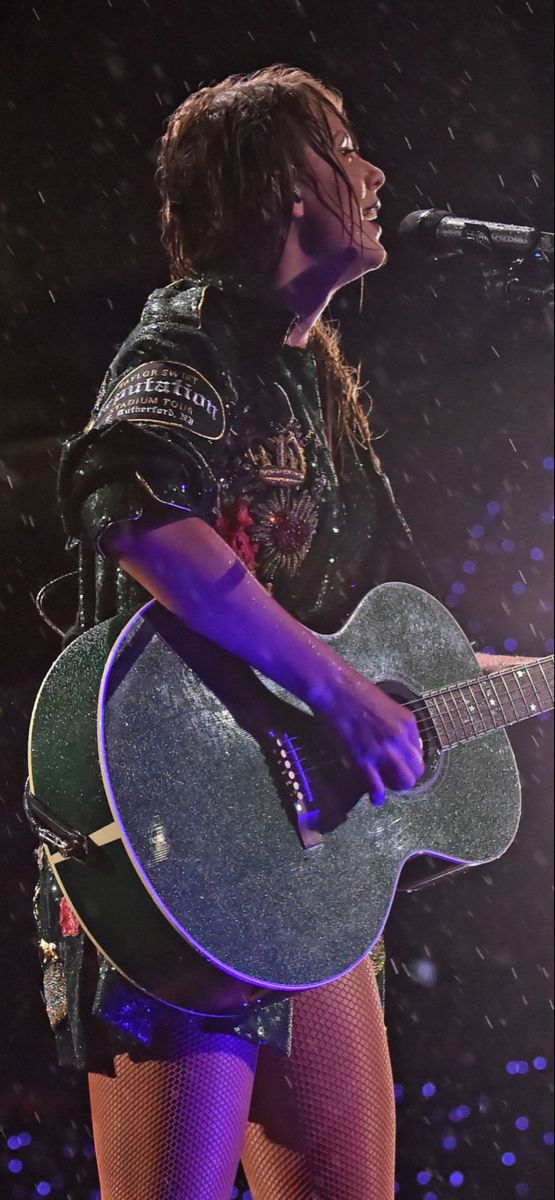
(52,831)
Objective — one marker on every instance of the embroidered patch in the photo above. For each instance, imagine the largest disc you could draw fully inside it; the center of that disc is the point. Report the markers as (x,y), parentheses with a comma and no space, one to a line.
(166,393)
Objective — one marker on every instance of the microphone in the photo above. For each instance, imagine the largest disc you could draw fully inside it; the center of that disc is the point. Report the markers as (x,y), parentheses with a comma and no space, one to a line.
(432,228)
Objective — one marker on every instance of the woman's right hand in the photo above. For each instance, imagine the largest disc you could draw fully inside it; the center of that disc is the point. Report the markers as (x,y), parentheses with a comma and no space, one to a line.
(381,735)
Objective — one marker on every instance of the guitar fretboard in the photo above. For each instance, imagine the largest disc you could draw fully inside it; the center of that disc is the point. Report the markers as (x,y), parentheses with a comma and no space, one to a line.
(491,702)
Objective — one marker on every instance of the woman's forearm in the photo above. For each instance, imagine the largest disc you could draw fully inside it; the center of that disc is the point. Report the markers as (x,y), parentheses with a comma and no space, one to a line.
(190,569)
(489,663)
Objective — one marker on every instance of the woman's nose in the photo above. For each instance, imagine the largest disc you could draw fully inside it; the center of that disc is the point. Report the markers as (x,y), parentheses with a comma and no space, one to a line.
(374,177)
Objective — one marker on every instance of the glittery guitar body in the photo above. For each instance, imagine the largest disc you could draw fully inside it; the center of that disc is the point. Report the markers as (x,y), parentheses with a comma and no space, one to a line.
(233,852)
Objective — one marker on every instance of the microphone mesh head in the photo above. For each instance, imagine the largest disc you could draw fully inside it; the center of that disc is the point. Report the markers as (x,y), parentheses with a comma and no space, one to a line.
(422,224)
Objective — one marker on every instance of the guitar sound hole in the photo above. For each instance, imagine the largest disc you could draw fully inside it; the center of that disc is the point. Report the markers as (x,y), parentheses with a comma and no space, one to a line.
(432,751)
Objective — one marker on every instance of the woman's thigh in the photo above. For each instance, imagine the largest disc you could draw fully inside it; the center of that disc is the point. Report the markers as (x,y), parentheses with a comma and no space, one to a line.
(173,1129)
(322,1124)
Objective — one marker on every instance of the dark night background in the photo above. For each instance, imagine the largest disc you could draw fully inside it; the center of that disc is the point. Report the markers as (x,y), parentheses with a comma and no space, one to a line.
(453,101)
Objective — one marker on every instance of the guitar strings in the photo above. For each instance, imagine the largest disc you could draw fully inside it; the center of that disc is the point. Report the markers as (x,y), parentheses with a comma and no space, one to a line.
(433,725)
(436,725)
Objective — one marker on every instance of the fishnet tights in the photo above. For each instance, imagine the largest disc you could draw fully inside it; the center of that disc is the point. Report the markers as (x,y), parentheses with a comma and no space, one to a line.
(322,1124)
(317,1126)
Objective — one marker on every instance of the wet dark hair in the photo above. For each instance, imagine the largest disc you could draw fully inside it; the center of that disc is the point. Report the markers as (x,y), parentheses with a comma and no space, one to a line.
(226,167)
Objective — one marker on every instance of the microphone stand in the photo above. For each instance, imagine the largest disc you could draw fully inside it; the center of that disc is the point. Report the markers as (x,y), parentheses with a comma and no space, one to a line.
(526,283)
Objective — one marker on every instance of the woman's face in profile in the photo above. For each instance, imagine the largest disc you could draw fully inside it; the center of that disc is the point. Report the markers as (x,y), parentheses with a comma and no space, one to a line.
(334,225)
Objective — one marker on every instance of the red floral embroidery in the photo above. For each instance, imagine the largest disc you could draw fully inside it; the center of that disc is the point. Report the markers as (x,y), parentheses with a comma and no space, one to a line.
(69,924)
(233,526)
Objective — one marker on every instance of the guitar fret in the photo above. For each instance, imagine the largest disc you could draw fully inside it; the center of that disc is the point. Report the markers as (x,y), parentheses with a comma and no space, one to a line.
(533,707)
(548,682)
(443,733)
(517,677)
(543,682)
(445,698)
(509,693)
(478,709)
(469,710)
(518,698)
(491,709)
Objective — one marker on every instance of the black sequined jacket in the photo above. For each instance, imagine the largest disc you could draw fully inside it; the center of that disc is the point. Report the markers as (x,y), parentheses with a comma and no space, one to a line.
(206,411)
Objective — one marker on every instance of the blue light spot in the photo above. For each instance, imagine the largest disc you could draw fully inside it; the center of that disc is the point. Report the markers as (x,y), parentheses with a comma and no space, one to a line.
(25,1139)
(399,1092)
(522,1189)
(518,587)
(397,1187)
(456,1179)
(507,545)
(489,650)
(540,1063)
(510,644)
(14,1142)
(536,554)
(549,1138)
(476,531)
(549,645)
(517,1068)
(430,1196)
(493,508)
(522,1123)
(429,1089)
(43,1188)
(523,1068)
(508,1159)
(15,1165)
(450,1142)
(458,587)
(469,566)
(451,600)
(423,1177)
(459,1113)
(548,462)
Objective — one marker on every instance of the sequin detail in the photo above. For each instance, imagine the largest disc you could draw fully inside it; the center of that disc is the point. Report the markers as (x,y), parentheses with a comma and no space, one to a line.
(378,957)
(69,924)
(55,992)
(288,468)
(284,529)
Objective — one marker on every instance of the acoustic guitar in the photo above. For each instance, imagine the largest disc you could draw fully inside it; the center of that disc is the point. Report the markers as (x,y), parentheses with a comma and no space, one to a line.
(214,838)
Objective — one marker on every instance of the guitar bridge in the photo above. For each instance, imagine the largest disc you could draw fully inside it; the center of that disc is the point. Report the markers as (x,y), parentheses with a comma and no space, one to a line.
(298,790)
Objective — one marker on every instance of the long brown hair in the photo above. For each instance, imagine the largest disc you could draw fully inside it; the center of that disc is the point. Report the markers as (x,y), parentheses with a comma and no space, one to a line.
(226,170)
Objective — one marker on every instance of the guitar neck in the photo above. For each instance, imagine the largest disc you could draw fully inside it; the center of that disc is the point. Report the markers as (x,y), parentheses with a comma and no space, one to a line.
(491,702)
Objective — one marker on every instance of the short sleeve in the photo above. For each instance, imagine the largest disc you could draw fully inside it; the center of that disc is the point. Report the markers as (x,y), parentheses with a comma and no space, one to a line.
(156,442)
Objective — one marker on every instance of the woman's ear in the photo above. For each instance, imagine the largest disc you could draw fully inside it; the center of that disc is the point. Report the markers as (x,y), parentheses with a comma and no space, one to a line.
(298,204)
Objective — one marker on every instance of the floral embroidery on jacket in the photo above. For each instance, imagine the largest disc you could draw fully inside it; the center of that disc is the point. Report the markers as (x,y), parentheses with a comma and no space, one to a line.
(233,526)
(69,924)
